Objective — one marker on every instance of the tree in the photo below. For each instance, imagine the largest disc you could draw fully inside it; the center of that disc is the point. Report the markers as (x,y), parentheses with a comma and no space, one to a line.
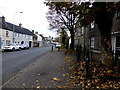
(64,14)
(68,14)
(64,39)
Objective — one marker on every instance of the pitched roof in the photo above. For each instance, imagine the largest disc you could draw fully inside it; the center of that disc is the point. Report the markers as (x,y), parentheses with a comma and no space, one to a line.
(17,29)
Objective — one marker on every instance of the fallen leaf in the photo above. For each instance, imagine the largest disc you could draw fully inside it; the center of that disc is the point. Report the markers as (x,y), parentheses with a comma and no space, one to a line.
(56,79)
(36,80)
(38,86)
(63,74)
(38,74)
(59,86)
(23,84)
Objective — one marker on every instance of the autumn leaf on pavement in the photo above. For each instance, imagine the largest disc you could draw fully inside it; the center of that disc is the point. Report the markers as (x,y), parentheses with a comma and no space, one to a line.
(56,79)
(59,86)
(38,87)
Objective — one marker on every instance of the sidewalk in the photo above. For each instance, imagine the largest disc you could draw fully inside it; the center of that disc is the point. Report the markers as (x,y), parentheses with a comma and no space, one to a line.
(47,72)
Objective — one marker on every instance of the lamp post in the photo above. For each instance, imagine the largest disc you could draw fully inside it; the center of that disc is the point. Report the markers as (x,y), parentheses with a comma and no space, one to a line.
(14,23)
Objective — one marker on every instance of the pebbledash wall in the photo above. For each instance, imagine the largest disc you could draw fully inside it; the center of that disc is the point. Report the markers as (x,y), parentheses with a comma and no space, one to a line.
(21,35)
(6,38)
(23,39)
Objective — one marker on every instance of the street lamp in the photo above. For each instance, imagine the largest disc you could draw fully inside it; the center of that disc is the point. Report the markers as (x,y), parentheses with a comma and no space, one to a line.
(14,23)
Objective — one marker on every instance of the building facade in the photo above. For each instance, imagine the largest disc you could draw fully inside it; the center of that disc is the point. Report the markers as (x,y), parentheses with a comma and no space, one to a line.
(90,37)
(116,32)
(37,40)
(11,33)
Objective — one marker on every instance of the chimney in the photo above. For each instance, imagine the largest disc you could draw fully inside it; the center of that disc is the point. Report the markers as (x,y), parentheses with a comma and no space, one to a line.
(20,25)
(2,19)
(33,31)
(36,32)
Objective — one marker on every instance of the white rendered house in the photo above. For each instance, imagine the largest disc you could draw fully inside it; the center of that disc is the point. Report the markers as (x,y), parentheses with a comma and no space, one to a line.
(11,33)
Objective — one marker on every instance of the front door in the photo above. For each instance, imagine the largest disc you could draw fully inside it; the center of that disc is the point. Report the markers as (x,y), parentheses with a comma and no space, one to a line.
(30,43)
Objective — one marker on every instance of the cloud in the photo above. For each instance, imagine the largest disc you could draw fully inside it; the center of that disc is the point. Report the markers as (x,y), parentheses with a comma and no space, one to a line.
(33,16)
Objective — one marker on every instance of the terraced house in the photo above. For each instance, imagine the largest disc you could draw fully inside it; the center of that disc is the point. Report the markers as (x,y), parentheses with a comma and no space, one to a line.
(10,33)
(90,38)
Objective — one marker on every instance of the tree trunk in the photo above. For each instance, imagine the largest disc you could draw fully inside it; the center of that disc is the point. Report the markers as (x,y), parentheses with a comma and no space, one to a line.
(72,39)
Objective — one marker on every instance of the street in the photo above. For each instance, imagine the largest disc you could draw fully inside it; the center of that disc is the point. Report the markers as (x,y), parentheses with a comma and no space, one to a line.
(14,62)
(48,71)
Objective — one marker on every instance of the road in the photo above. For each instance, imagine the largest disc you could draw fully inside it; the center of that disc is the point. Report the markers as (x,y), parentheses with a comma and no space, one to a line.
(14,62)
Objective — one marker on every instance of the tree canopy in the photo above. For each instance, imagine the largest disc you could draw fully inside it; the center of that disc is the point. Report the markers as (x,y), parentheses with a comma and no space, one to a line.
(68,14)
(65,14)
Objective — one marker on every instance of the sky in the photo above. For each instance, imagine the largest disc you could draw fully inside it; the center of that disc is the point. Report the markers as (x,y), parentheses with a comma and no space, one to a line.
(32,18)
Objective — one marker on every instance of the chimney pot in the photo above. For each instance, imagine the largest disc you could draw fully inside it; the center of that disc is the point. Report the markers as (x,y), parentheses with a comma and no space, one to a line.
(33,31)
(20,25)
(3,19)
(36,32)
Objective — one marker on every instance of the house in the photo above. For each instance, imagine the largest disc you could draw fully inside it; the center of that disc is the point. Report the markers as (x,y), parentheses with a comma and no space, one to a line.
(94,37)
(37,40)
(11,33)
(81,37)
(90,37)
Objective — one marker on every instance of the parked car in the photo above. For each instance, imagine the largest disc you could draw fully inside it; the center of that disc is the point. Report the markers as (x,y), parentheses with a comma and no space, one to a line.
(58,45)
(24,46)
(12,47)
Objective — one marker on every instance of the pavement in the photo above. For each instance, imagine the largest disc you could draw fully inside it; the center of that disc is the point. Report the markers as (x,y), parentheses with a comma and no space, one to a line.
(46,72)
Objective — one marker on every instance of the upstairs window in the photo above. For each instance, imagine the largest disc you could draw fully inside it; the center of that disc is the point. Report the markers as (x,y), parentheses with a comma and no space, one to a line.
(18,34)
(15,34)
(92,25)
(117,14)
(7,34)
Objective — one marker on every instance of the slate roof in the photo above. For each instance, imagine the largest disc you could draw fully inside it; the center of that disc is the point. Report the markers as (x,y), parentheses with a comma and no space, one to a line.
(17,29)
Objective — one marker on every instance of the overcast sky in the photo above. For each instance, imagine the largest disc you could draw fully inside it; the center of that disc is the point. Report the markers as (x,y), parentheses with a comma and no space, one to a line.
(32,18)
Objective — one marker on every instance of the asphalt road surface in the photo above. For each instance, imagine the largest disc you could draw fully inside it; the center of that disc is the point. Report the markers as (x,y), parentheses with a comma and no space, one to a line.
(14,62)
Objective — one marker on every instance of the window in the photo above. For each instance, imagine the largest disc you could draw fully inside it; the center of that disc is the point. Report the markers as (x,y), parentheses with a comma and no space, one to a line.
(7,34)
(7,42)
(15,34)
(18,34)
(92,25)
(82,31)
(92,42)
(117,14)
(23,35)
